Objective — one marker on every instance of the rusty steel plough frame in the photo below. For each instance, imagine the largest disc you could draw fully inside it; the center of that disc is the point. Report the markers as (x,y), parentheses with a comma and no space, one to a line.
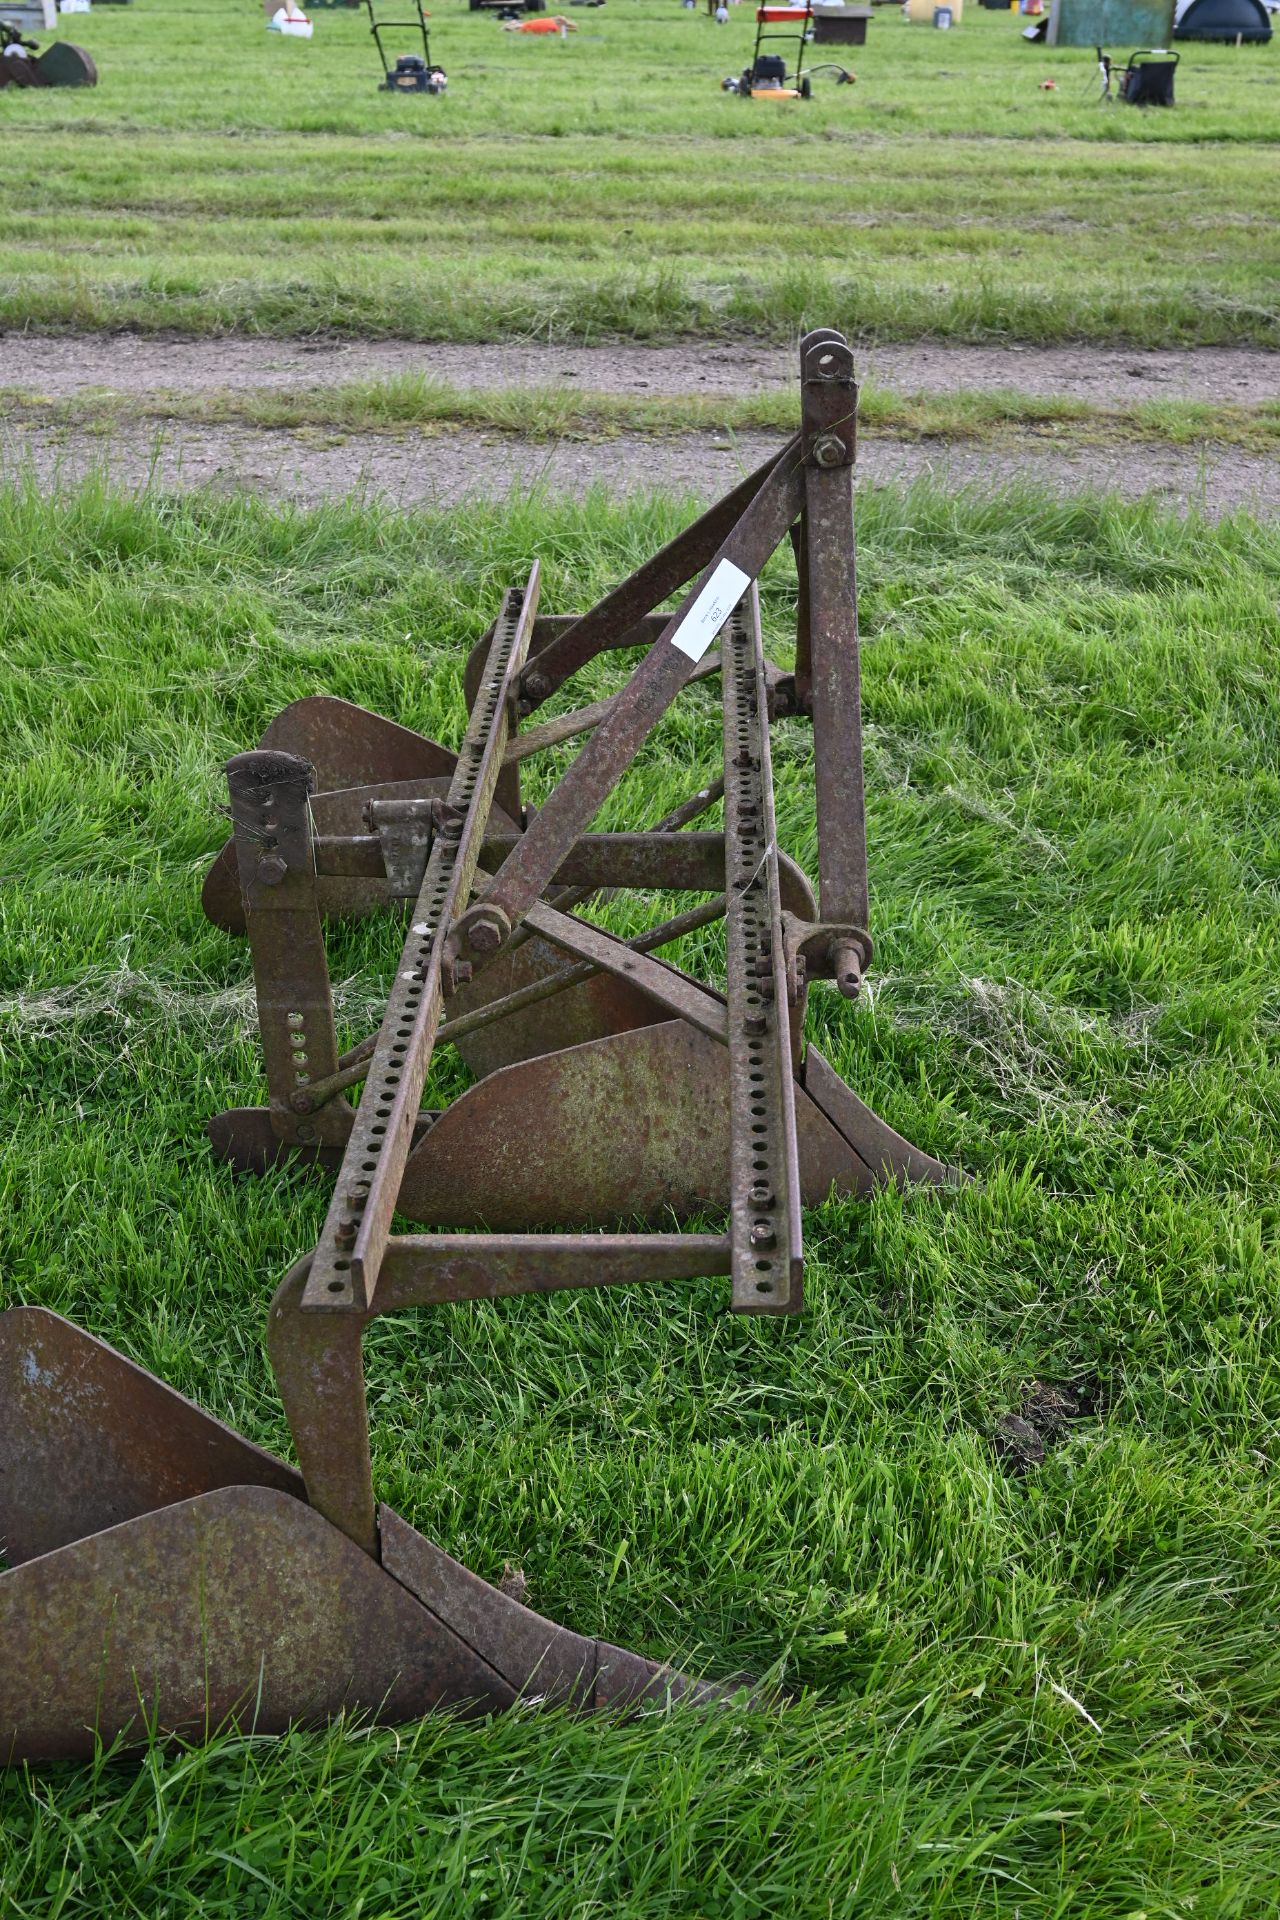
(166,1572)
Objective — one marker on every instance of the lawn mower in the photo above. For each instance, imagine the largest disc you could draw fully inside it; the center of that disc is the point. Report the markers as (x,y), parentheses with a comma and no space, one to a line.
(1146,81)
(769,76)
(166,1575)
(60,65)
(412,72)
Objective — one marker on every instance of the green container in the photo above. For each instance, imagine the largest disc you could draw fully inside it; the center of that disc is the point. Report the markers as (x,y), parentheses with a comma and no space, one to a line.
(1110,23)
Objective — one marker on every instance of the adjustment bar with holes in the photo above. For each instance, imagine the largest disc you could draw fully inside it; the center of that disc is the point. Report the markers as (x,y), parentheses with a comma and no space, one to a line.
(764,1191)
(344,1272)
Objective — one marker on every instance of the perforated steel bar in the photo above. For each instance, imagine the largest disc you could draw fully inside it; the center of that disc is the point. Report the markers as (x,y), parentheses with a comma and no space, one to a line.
(666,667)
(764,1191)
(344,1271)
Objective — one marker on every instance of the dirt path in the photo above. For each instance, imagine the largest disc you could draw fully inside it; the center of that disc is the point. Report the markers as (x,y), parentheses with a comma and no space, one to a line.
(412,469)
(62,365)
(448,466)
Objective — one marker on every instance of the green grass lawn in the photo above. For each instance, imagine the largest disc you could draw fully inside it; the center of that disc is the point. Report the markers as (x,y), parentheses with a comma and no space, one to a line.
(1041,1693)
(603,186)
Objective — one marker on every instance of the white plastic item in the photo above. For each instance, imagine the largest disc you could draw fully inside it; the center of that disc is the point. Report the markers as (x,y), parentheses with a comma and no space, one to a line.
(74,6)
(289,19)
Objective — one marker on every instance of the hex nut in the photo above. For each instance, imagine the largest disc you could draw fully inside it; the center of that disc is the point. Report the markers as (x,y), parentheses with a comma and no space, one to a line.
(488,930)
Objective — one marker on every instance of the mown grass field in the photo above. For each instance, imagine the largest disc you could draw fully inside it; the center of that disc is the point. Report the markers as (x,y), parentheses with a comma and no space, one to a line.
(603,186)
(1023,1693)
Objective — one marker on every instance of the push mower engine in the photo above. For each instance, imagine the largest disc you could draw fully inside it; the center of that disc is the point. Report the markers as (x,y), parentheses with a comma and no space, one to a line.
(60,65)
(411,74)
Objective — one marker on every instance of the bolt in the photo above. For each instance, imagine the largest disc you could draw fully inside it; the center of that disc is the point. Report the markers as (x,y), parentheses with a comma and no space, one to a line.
(535,687)
(847,965)
(345,1233)
(307,1135)
(357,1196)
(762,1234)
(462,972)
(272,870)
(753,1025)
(488,930)
(742,758)
(829,451)
(300,1101)
(761,1194)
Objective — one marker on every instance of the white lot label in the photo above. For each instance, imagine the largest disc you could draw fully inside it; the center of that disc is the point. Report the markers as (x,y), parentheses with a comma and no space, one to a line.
(711,609)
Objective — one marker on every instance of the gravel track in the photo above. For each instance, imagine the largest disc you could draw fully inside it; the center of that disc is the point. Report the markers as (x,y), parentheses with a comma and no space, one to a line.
(61,365)
(413,469)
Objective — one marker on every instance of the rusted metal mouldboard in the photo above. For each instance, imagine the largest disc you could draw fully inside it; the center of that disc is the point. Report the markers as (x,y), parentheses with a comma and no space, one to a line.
(167,1577)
